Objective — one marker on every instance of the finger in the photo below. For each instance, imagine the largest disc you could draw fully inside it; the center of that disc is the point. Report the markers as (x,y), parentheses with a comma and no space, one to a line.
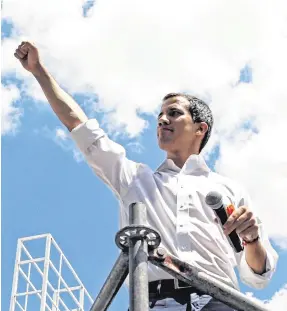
(27,46)
(250,233)
(20,53)
(245,217)
(20,46)
(232,218)
(248,223)
(17,56)
(238,222)
(25,43)
(24,48)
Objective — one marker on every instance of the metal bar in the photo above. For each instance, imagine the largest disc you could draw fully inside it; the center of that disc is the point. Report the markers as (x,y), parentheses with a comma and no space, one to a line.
(19,305)
(63,304)
(31,260)
(203,282)
(66,285)
(16,276)
(138,257)
(113,283)
(60,300)
(45,272)
(64,290)
(27,286)
(37,292)
(33,287)
(29,293)
(34,262)
(56,294)
(35,237)
(54,243)
(54,305)
(82,297)
(31,284)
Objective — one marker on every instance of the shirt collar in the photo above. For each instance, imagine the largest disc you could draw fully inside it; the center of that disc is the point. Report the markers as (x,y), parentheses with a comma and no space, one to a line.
(194,163)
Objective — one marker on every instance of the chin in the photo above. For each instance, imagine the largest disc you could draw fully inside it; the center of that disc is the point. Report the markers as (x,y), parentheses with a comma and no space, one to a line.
(165,146)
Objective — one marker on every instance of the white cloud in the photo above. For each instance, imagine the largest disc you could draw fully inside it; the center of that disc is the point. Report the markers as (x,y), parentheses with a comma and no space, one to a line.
(61,135)
(132,53)
(259,161)
(10,115)
(135,147)
(278,302)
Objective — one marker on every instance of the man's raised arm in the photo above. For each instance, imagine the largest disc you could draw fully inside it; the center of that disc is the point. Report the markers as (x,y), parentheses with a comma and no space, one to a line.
(67,110)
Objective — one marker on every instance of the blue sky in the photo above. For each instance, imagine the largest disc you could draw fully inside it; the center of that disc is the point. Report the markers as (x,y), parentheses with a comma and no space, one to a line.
(47,189)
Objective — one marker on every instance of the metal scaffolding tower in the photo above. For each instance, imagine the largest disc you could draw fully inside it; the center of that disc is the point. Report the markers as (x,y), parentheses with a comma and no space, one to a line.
(44,279)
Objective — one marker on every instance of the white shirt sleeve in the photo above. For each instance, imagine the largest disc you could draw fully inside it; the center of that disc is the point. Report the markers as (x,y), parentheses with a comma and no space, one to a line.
(247,275)
(107,158)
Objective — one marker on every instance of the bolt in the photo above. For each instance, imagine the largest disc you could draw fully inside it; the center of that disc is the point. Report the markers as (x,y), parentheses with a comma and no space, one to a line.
(161,252)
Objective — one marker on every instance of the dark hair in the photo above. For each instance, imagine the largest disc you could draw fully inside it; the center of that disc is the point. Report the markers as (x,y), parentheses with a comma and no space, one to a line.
(200,112)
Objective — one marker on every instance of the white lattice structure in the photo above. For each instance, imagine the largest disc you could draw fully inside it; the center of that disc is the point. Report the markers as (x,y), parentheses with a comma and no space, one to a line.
(44,280)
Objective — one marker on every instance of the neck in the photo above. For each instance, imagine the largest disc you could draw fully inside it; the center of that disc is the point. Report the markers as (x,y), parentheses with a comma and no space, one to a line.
(179,158)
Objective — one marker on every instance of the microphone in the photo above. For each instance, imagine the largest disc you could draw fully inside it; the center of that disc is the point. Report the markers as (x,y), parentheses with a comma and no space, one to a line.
(214,200)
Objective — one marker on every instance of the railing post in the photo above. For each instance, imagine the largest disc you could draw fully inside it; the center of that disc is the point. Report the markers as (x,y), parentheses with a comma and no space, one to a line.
(113,283)
(138,258)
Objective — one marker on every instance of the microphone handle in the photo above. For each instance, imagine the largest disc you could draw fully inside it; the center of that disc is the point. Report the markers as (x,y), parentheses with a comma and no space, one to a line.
(235,240)
(233,236)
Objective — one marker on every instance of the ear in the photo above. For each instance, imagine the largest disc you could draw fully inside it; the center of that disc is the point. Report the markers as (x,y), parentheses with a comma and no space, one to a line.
(202,128)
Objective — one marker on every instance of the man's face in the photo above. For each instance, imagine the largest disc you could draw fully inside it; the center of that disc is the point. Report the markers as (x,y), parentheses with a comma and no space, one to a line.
(176,130)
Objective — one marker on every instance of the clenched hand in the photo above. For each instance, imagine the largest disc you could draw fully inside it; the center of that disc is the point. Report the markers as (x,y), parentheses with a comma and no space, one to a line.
(28,56)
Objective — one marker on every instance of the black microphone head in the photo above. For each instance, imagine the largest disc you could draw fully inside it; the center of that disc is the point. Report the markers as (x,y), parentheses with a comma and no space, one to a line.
(214,199)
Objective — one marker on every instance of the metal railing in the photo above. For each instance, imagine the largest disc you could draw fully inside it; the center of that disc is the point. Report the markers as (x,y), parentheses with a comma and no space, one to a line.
(140,244)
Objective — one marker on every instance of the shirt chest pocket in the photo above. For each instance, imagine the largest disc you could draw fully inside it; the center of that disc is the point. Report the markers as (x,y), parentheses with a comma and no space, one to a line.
(193,212)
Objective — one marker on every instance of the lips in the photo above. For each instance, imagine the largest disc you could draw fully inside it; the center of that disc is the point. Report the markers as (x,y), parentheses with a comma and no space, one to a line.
(166,129)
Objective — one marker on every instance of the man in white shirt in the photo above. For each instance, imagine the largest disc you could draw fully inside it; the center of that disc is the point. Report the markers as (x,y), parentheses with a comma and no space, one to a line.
(174,194)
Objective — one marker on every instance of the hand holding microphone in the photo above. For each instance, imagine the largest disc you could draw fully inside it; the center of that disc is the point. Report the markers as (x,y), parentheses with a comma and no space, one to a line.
(244,222)
(236,223)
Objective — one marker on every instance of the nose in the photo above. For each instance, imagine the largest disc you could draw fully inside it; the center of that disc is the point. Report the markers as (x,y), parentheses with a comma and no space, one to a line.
(163,120)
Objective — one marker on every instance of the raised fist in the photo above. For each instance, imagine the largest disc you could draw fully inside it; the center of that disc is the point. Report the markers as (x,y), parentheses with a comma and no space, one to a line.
(28,56)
